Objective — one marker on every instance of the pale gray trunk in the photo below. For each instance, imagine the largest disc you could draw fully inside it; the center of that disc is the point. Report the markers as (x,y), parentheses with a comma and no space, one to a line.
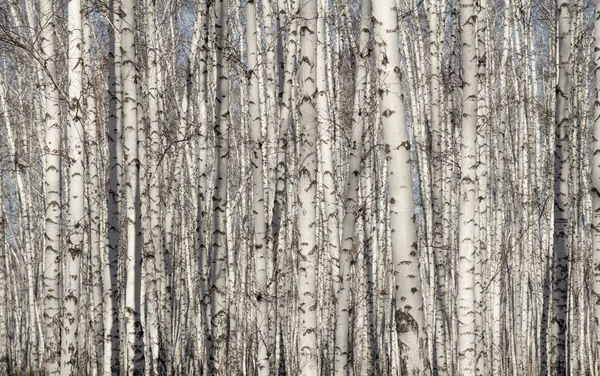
(132,165)
(76,200)
(341,365)
(258,193)
(307,195)
(467,344)
(408,313)
(219,295)
(562,204)
(52,196)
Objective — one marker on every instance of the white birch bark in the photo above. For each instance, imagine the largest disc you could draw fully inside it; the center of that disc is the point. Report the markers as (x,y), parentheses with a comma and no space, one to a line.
(153,250)
(307,225)
(219,296)
(133,262)
(94,196)
(281,281)
(359,115)
(331,237)
(439,363)
(467,347)
(562,205)
(408,313)
(258,192)
(203,117)
(52,196)
(75,216)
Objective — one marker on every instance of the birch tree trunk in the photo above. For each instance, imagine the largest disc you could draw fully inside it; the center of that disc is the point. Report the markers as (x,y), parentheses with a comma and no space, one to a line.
(52,194)
(75,216)
(562,210)
(111,267)
(133,264)
(359,118)
(467,347)
(307,195)
(219,294)
(258,193)
(408,313)
(96,192)
(203,266)
(153,248)
(440,363)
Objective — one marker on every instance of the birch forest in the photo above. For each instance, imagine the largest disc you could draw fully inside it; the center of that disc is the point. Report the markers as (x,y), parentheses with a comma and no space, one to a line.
(300,187)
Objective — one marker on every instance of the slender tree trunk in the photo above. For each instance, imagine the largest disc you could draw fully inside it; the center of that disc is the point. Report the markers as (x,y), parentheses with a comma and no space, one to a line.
(203,266)
(258,190)
(307,195)
(562,210)
(153,250)
(219,295)
(52,195)
(409,316)
(94,197)
(111,267)
(133,264)
(351,199)
(75,216)
(440,363)
(467,345)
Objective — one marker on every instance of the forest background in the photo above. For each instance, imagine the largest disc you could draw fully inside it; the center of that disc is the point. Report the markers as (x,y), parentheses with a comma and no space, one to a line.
(303,187)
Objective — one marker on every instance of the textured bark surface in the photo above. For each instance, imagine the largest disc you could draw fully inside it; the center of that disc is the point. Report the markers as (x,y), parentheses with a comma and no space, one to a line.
(408,312)
(562,204)
(52,195)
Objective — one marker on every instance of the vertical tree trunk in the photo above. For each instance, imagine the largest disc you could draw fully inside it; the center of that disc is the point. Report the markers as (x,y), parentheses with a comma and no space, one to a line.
(203,266)
(153,249)
(408,313)
(219,294)
(440,363)
(75,216)
(467,348)
(95,194)
(111,268)
(52,195)
(359,118)
(258,193)
(307,292)
(133,264)
(562,204)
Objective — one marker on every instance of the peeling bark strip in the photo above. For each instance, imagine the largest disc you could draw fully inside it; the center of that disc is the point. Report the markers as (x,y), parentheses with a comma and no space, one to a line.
(409,316)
